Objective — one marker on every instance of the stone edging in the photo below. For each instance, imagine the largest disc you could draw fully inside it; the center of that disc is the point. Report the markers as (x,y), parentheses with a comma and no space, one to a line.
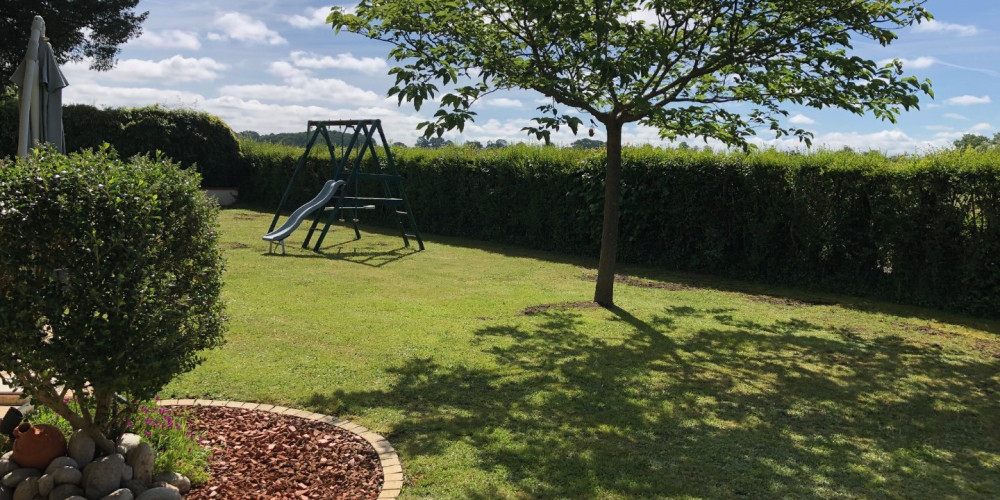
(392,469)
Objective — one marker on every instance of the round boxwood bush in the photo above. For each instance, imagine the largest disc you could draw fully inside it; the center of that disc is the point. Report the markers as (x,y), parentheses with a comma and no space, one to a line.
(110,279)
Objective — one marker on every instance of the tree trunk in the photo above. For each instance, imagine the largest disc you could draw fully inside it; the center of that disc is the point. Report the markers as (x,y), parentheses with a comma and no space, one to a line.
(51,399)
(604,293)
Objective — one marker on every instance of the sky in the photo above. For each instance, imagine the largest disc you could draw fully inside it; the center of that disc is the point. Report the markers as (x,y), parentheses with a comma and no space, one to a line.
(272,65)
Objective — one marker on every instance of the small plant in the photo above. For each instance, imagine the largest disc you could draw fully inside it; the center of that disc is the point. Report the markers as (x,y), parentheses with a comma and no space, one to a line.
(177,448)
(166,431)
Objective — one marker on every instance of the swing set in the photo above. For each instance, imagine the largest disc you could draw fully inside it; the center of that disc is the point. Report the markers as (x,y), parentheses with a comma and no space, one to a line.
(341,193)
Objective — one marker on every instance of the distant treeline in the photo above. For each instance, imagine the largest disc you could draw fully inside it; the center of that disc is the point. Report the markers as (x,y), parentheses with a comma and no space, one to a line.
(299,139)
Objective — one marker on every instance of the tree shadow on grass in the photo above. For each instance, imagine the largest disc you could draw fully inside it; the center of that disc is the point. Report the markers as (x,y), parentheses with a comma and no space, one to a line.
(738,409)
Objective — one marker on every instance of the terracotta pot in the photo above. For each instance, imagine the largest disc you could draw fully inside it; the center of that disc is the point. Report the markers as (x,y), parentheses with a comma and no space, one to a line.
(36,445)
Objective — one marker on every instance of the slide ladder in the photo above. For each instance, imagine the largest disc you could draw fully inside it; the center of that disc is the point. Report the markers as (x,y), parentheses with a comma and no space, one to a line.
(290,225)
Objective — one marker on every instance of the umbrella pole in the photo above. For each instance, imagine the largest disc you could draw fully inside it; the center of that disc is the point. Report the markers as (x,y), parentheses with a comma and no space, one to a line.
(29,92)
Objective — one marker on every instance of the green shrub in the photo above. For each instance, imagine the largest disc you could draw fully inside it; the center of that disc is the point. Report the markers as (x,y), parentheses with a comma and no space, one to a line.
(110,280)
(193,139)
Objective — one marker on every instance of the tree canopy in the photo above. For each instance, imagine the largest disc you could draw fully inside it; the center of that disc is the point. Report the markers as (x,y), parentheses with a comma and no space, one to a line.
(76,30)
(977,142)
(722,69)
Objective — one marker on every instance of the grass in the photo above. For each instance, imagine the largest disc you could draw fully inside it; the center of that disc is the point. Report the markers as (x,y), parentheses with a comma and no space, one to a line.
(474,361)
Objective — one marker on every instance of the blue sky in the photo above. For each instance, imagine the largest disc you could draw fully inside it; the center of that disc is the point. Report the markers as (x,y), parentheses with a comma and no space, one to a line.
(270,65)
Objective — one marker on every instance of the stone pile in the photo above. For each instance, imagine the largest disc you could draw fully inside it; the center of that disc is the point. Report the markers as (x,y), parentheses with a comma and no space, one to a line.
(83,475)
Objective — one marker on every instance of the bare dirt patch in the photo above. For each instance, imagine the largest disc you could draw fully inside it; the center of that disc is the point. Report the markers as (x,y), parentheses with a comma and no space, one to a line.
(247,216)
(562,306)
(782,301)
(989,348)
(641,283)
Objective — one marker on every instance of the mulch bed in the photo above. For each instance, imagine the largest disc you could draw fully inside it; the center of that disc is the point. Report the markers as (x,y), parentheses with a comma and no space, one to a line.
(262,455)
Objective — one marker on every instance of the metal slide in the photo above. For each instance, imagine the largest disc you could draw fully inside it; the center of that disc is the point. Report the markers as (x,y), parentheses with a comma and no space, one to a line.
(290,225)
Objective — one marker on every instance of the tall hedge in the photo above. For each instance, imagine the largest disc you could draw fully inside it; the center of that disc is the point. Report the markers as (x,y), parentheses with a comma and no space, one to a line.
(921,230)
(191,138)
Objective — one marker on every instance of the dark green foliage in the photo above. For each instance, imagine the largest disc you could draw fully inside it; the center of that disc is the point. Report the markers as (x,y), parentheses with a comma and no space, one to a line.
(76,30)
(977,142)
(299,139)
(917,230)
(432,142)
(110,275)
(190,138)
(269,168)
(586,143)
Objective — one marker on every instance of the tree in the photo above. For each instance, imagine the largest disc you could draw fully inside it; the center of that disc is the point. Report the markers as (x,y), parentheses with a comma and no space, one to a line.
(76,30)
(681,66)
(497,144)
(586,143)
(110,282)
(432,142)
(473,144)
(977,142)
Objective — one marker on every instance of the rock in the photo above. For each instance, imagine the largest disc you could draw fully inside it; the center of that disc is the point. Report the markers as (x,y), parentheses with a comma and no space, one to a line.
(135,486)
(175,479)
(45,484)
(14,477)
(129,441)
(127,473)
(6,493)
(161,493)
(27,489)
(164,484)
(67,475)
(141,460)
(102,476)
(120,494)
(81,448)
(7,465)
(65,491)
(61,462)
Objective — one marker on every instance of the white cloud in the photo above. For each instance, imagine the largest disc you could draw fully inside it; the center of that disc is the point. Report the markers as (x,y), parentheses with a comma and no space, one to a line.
(801,119)
(980,127)
(244,28)
(369,65)
(935,26)
(955,116)
(85,91)
(502,102)
(314,17)
(301,86)
(172,70)
(921,62)
(887,141)
(169,39)
(968,100)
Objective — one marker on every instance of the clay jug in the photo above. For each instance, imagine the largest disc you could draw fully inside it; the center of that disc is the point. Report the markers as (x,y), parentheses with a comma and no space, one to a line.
(36,445)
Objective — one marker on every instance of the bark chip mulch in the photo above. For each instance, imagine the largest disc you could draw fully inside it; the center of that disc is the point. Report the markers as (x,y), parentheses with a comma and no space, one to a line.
(262,455)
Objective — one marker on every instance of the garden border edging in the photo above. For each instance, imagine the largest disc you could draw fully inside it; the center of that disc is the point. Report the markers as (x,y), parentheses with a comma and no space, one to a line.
(392,469)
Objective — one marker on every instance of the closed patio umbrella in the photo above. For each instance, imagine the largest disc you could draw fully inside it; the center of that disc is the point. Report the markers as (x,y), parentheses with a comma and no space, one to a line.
(41,83)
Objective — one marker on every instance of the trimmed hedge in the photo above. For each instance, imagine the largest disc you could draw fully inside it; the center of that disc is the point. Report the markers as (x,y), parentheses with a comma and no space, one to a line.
(921,230)
(188,137)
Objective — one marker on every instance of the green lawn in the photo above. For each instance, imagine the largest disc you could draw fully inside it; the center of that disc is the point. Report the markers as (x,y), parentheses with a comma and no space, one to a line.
(474,362)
